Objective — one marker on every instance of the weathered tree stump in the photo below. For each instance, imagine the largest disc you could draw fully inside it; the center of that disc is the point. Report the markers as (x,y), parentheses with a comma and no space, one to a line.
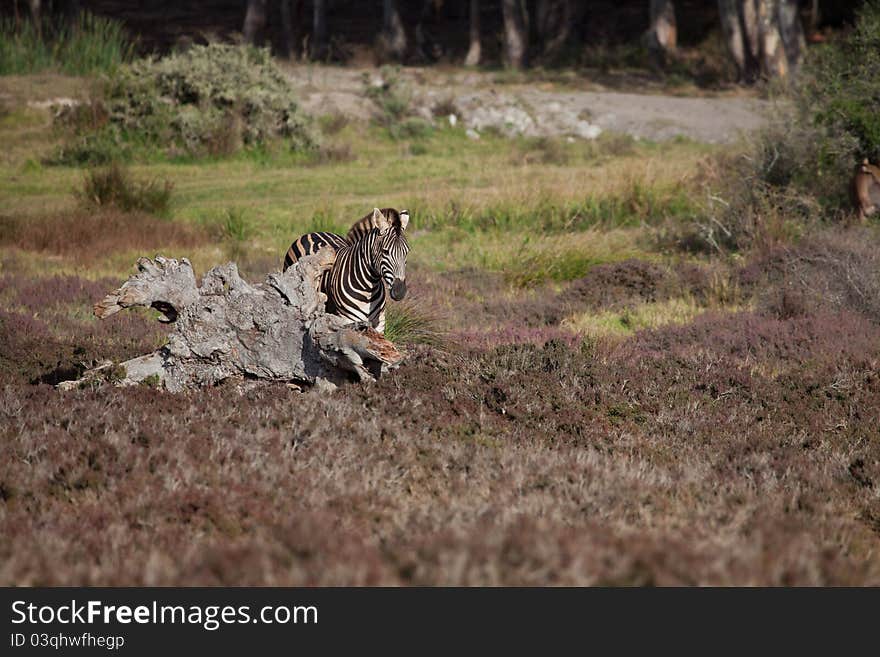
(228,328)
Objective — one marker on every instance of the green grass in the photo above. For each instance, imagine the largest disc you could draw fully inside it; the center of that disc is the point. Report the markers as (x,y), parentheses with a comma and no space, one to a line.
(91,45)
(636,205)
(643,316)
(472,203)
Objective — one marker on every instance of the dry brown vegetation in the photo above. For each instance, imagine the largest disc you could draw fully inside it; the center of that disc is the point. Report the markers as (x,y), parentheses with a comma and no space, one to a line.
(740,448)
(88,235)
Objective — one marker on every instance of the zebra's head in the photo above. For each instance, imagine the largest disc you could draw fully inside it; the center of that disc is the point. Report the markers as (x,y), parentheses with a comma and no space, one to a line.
(392,251)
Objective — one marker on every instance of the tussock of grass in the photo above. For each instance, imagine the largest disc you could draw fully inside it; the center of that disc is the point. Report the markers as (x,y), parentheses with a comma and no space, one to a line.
(332,124)
(232,229)
(563,257)
(115,186)
(234,226)
(411,322)
(326,220)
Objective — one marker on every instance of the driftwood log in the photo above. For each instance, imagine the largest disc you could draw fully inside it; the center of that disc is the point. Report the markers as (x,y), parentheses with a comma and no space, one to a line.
(228,328)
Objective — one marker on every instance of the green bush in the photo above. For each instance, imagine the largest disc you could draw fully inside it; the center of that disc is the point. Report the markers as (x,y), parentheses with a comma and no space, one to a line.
(811,147)
(89,45)
(209,100)
(841,90)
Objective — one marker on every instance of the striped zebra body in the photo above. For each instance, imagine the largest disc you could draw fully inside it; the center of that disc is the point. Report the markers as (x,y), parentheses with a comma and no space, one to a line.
(356,285)
(311,243)
(371,257)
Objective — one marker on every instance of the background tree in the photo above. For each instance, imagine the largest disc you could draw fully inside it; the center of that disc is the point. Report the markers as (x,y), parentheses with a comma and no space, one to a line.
(764,37)
(554,20)
(68,9)
(662,36)
(291,14)
(393,35)
(516,32)
(318,41)
(254,20)
(428,46)
(475,50)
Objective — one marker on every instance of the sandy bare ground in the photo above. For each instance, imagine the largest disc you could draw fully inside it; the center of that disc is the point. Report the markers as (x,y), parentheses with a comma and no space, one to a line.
(539,109)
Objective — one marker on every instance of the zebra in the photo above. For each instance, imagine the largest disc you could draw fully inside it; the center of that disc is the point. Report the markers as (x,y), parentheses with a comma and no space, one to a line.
(311,242)
(376,258)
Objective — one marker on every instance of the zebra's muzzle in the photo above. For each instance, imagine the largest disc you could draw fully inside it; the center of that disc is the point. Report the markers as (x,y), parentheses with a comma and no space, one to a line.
(398,289)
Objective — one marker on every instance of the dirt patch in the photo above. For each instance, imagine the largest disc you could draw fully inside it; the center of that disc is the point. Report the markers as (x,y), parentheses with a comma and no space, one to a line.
(526,109)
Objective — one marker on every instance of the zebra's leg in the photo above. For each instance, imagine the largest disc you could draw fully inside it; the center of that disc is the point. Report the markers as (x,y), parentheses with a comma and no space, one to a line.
(380,322)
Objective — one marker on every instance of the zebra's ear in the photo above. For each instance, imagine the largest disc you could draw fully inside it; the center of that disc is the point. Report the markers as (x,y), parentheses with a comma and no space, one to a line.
(380,221)
(404,219)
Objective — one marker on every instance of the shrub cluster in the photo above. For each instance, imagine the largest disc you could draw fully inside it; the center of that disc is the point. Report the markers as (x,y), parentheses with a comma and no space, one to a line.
(735,449)
(208,100)
(842,86)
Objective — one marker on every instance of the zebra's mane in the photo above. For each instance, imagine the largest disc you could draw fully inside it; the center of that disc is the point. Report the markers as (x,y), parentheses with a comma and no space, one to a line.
(365,224)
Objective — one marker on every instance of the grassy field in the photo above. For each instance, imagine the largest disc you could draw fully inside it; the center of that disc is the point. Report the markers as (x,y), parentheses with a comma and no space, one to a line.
(600,402)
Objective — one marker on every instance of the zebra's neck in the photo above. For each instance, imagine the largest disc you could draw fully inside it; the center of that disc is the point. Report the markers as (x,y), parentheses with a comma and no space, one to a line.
(356,289)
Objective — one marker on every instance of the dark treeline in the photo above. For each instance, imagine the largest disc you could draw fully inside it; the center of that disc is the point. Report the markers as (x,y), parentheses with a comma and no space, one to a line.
(764,38)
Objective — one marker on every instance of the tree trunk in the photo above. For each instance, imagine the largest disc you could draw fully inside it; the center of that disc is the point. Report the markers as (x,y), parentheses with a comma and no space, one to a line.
(254,21)
(792,32)
(319,30)
(765,37)
(814,16)
(428,47)
(227,328)
(36,15)
(663,32)
(287,43)
(515,33)
(738,26)
(774,63)
(393,34)
(292,22)
(474,54)
(71,11)
(748,10)
(553,20)
(732,31)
